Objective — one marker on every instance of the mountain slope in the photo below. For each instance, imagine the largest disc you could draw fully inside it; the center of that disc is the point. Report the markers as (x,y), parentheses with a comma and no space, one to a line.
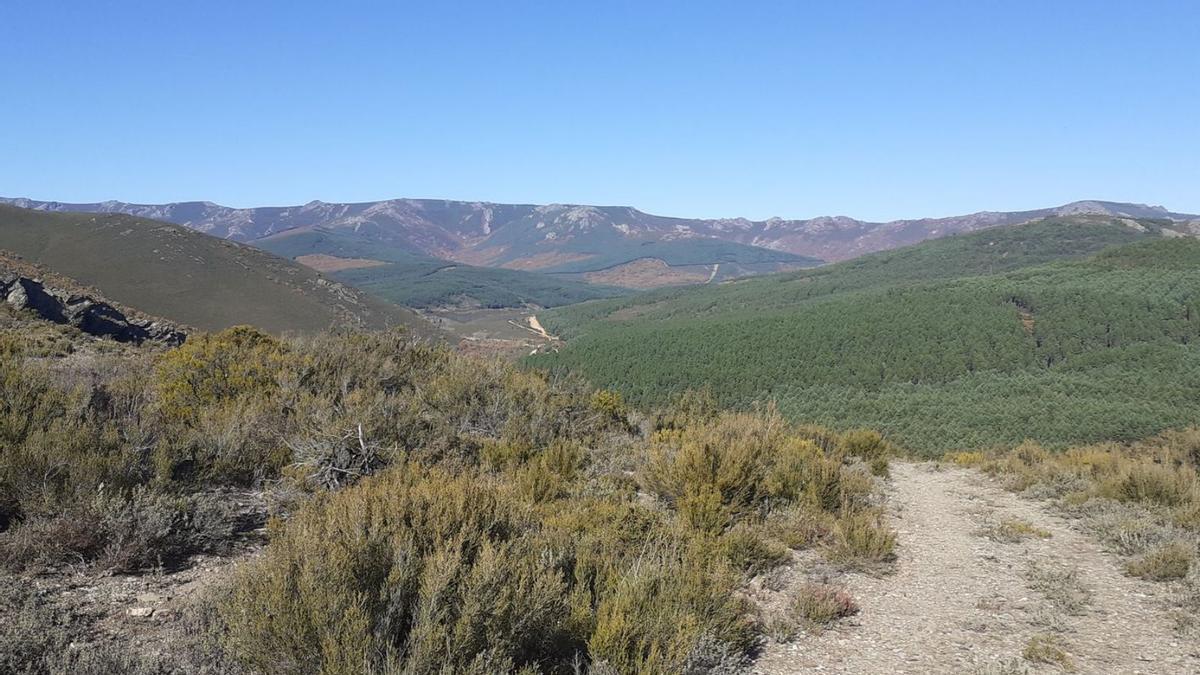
(192,278)
(575,237)
(967,341)
(416,280)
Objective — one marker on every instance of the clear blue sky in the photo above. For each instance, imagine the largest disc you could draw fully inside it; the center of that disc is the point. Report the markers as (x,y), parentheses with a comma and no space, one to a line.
(871,109)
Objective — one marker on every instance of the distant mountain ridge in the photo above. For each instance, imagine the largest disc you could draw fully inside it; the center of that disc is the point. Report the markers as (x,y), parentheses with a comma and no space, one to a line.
(566,237)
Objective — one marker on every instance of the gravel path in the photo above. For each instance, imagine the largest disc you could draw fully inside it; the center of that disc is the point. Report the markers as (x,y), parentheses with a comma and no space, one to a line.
(960,602)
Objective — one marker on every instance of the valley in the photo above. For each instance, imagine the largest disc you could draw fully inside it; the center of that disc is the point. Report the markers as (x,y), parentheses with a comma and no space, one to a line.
(614,338)
(529,453)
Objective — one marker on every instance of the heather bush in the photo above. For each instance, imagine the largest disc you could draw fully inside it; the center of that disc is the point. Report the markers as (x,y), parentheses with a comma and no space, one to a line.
(421,568)
(819,604)
(435,513)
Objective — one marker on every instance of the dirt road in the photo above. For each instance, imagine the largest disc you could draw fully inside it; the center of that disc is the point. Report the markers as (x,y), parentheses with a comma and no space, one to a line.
(962,602)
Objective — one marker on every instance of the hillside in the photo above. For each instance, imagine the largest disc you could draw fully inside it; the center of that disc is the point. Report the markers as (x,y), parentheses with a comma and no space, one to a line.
(581,238)
(189,277)
(417,280)
(968,341)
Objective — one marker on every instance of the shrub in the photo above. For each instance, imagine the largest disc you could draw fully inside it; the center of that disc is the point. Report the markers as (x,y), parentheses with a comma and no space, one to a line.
(820,604)
(742,466)
(661,612)
(610,405)
(861,540)
(1155,484)
(1165,563)
(752,551)
(1062,587)
(419,569)
(220,368)
(1048,648)
(723,463)
(122,533)
(870,447)
(418,566)
(974,458)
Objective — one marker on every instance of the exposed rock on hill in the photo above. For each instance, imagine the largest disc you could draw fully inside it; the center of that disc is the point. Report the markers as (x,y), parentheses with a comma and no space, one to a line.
(86,313)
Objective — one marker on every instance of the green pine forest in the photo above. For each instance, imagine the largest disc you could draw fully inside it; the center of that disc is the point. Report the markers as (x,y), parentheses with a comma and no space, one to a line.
(1066,330)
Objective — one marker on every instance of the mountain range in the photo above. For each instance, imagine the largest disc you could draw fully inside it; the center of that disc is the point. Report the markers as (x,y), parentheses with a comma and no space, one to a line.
(566,238)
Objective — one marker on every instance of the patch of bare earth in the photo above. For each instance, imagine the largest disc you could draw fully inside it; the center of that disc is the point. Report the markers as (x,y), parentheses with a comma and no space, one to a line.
(330,263)
(649,273)
(963,600)
(544,260)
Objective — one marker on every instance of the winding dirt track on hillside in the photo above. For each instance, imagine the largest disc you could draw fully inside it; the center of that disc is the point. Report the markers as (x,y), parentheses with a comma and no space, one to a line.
(959,602)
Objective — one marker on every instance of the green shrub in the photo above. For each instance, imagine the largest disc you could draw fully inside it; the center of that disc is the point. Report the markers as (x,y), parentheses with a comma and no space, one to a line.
(752,550)
(662,610)
(861,540)
(420,568)
(220,368)
(870,447)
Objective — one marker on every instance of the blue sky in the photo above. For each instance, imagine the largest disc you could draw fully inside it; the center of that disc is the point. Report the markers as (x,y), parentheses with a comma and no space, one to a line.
(871,109)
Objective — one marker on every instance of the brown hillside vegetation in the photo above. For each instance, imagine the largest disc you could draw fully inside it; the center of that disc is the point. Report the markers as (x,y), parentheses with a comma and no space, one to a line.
(649,273)
(329,263)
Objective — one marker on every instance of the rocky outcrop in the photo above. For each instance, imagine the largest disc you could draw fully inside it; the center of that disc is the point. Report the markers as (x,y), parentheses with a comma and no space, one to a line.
(89,315)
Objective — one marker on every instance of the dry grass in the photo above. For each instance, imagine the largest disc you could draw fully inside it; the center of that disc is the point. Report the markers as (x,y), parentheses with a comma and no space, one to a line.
(1165,563)
(328,263)
(1140,500)
(1049,649)
(1010,531)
